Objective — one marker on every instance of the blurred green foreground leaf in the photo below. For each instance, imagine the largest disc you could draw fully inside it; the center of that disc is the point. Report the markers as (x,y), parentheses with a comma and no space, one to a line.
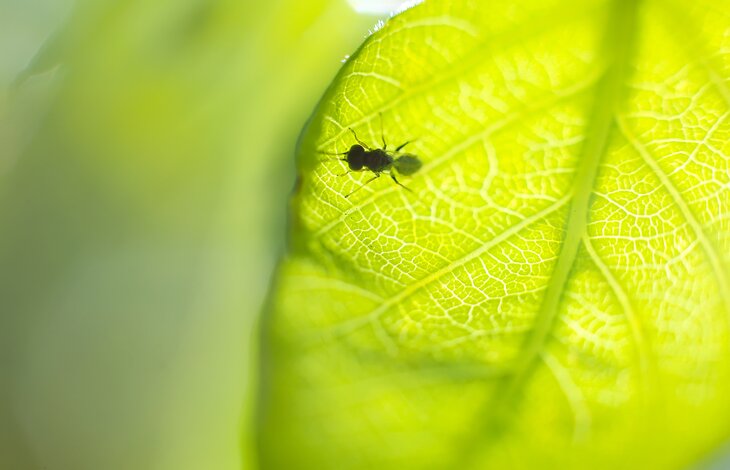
(144,159)
(555,291)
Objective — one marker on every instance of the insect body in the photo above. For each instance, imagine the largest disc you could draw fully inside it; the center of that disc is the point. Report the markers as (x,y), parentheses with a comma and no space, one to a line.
(360,157)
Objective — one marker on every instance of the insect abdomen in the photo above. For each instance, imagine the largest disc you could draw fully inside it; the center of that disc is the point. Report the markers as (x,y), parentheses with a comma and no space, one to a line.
(407,164)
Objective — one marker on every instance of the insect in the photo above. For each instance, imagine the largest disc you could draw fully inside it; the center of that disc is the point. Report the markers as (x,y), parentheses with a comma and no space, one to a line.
(361,157)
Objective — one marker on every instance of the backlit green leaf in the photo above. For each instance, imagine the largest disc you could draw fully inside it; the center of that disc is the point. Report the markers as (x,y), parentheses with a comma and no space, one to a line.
(555,290)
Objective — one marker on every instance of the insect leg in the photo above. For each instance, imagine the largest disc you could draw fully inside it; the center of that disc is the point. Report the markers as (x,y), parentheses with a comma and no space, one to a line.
(403,145)
(399,183)
(377,175)
(358,140)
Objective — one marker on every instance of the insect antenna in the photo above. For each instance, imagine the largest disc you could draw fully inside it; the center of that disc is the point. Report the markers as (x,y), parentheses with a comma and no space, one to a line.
(321,152)
(330,160)
(332,154)
(382,133)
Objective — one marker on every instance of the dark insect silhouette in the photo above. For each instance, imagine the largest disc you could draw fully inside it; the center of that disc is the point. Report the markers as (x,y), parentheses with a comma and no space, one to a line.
(361,157)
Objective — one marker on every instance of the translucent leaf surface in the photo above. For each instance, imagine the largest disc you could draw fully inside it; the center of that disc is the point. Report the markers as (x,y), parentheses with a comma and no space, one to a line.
(555,290)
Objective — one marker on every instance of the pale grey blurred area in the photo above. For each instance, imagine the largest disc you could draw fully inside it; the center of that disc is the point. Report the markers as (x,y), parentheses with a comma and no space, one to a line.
(146,159)
(718,460)
(24,27)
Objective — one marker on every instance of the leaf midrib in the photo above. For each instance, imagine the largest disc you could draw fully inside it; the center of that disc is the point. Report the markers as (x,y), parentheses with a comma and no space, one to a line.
(619,38)
(618,43)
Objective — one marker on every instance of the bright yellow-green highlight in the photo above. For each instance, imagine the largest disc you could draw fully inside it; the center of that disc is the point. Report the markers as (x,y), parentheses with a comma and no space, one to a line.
(555,292)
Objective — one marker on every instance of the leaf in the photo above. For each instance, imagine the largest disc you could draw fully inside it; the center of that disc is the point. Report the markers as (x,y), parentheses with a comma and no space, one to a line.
(554,292)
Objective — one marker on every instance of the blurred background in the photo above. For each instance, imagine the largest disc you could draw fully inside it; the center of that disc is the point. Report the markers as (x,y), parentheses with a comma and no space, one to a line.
(146,157)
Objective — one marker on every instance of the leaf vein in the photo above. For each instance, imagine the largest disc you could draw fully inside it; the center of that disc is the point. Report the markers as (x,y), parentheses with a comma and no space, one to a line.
(641,343)
(495,127)
(346,327)
(711,252)
(456,71)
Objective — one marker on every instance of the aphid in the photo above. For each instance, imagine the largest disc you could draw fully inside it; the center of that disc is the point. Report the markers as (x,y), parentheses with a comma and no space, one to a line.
(361,157)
